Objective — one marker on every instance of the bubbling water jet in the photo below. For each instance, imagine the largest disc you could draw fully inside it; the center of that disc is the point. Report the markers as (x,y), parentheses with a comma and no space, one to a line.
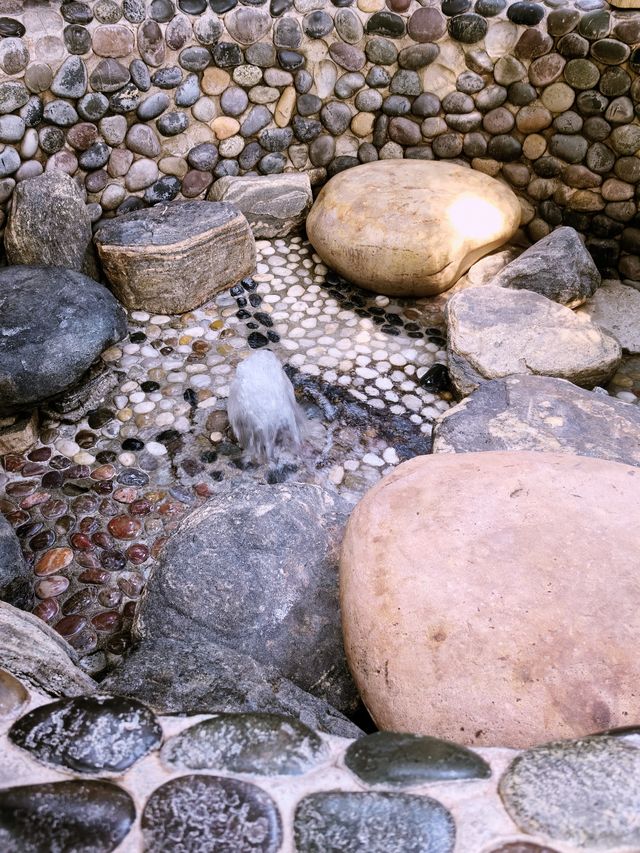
(262,409)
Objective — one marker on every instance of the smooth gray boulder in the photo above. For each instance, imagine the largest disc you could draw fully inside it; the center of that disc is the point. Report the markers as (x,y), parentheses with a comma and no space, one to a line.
(615,308)
(495,332)
(274,205)
(49,225)
(542,414)
(558,267)
(36,654)
(256,571)
(197,676)
(55,324)
(14,573)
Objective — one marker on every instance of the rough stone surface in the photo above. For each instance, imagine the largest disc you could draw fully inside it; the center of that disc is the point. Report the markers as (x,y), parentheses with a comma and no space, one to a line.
(14,573)
(358,224)
(495,332)
(270,592)
(37,655)
(173,257)
(274,205)
(615,308)
(542,414)
(49,224)
(56,323)
(577,792)
(521,543)
(558,267)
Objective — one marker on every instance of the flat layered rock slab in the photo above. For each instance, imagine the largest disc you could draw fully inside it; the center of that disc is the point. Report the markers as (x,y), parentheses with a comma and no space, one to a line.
(496,332)
(615,308)
(410,227)
(542,414)
(173,257)
(274,205)
(537,552)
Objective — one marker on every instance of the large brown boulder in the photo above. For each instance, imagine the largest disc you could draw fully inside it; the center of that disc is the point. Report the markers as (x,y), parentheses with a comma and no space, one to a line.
(173,257)
(410,227)
(493,598)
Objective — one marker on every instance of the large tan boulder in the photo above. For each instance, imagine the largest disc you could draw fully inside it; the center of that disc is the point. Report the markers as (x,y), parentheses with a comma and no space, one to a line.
(494,598)
(410,227)
(173,257)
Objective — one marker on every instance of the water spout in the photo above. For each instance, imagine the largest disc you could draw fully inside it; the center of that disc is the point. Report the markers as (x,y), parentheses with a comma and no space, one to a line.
(263,412)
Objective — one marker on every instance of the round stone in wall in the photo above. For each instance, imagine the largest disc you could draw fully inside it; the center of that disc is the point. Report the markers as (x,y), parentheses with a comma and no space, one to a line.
(359,224)
(197,814)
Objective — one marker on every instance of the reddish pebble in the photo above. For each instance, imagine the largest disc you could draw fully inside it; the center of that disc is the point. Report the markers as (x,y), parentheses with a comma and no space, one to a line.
(20,489)
(81,542)
(84,641)
(85,504)
(138,554)
(70,625)
(109,621)
(108,508)
(124,527)
(12,462)
(131,584)
(47,609)
(87,560)
(31,469)
(53,560)
(104,472)
(117,644)
(203,490)
(79,602)
(125,495)
(77,472)
(102,539)
(43,539)
(51,586)
(53,509)
(129,610)
(36,500)
(18,517)
(64,524)
(140,507)
(88,524)
(94,576)
(110,597)
(40,454)
(158,545)
(170,508)
(52,480)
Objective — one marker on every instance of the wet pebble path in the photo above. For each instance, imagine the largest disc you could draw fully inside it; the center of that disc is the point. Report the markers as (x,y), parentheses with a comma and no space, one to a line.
(94,502)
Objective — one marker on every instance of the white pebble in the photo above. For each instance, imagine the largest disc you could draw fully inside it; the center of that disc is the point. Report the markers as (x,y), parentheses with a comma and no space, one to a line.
(155,448)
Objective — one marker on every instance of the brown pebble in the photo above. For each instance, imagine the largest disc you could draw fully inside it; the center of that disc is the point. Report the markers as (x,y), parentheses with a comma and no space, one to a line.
(40,454)
(79,601)
(104,472)
(138,554)
(53,560)
(125,495)
(47,609)
(53,508)
(81,542)
(131,584)
(141,506)
(43,539)
(87,560)
(12,462)
(94,576)
(70,625)
(124,527)
(89,524)
(102,539)
(110,597)
(52,586)
(84,641)
(108,621)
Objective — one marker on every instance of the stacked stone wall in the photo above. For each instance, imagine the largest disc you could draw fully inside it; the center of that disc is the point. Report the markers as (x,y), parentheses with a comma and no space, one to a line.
(150,100)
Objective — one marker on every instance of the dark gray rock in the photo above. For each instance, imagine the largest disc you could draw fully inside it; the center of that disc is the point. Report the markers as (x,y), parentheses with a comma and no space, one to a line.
(14,572)
(84,816)
(56,323)
(48,223)
(581,792)
(375,822)
(108,76)
(197,814)
(389,758)
(264,744)
(88,734)
(542,414)
(262,581)
(558,267)
(197,676)
(153,106)
(60,113)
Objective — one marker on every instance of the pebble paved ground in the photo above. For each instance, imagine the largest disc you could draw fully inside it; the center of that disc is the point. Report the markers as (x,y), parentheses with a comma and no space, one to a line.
(94,501)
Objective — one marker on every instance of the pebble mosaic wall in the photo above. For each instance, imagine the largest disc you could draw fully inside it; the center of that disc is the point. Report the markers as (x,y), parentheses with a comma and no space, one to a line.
(149,101)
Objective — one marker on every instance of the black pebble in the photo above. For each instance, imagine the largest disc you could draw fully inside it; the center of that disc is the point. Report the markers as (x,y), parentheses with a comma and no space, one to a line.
(132,444)
(257,340)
